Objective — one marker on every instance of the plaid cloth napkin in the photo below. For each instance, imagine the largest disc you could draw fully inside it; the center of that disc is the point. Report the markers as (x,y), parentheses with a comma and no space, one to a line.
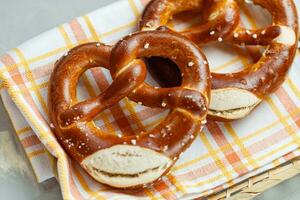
(222,155)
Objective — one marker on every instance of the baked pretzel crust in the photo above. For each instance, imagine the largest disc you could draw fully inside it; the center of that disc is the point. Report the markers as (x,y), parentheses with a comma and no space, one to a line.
(235,95)
(125,160)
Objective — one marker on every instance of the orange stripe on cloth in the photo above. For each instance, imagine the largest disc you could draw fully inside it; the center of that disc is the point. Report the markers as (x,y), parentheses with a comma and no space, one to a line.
(260,158)
(128,104)
(89,23)
(35,153)
(76,194)
(37,73)
(274,151)
(289,129)
(23,130)
(288,104)
(252,149)
(217,161)
(43,71)
(30,141)
(273,139)
(2,85)
(102,83)
(77,30)
(174,181)
(164,190)
(201,171)
(240,144)
(33,84)
(12,68)
(107,125)
(8,60)
(29,88)
(117,112)
(289,156)
(83,183)
(231,156)
(271,103)
(143,114)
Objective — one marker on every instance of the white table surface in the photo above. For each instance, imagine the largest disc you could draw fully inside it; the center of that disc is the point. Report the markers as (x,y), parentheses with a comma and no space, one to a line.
(21,20)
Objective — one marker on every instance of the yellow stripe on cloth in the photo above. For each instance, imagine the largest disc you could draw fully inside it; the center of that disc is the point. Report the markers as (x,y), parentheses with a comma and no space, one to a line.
(288,128)
(84,184)
(129,25)
(293,87)
(134,9)
(23,130)
(239,142)
(216,158)
(35,153)
(243,139)
(31,79)
(94,33)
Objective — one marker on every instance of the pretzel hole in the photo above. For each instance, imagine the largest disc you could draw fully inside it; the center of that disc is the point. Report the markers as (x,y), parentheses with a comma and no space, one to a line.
(261,16)
(240,57)
(234,58)
(92,82)
(126,117)
(159,67)
(185,20)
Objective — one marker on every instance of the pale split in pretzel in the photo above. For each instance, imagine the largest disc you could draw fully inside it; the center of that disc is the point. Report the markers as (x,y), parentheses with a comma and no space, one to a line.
(249,86)
(246,88)
(125,160)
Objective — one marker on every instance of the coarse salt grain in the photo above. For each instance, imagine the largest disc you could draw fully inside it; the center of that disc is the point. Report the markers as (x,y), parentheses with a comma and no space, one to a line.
(146,46)
(190,64)
(133,142)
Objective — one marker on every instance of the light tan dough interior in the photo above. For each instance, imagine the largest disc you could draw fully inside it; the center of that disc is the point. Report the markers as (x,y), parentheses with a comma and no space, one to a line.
(126,165)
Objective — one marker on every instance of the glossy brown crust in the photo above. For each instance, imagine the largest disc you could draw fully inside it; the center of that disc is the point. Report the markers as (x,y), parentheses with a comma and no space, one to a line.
(158,13)
(191,62)
(265,76)
(189,103)
(221,21)
(269,72)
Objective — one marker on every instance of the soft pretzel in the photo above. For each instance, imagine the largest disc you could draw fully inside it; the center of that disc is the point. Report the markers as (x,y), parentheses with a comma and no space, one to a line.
(221,21)
(234,95)
(126,160)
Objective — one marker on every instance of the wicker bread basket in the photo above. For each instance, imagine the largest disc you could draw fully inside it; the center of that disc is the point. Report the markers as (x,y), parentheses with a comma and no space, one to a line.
(255,185)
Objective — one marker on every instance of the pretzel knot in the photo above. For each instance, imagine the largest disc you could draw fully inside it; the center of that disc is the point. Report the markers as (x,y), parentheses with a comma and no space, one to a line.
(130,160)
(234,95)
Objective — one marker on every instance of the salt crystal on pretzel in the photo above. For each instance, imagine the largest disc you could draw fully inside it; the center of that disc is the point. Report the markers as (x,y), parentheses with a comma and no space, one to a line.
(129,161)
